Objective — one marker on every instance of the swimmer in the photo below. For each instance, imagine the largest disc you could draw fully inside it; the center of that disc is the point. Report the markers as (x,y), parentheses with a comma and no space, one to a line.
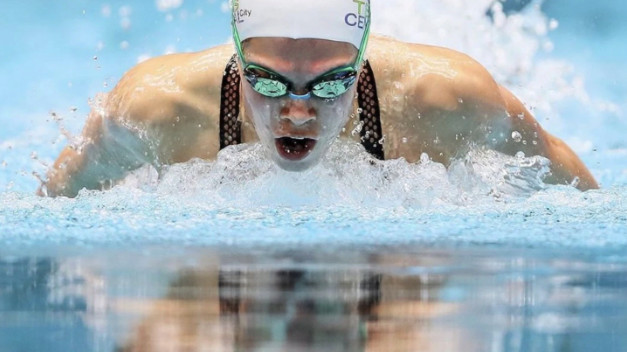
(296,80)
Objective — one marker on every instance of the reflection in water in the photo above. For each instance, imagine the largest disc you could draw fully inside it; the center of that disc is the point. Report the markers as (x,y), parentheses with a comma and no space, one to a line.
(456,300)
(291,308)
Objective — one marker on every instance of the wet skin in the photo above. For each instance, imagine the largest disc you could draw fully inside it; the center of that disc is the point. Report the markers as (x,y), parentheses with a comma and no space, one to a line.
(298,132)
(433,100)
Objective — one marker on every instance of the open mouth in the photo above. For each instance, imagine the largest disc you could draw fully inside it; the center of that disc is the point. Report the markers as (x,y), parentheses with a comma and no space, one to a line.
(294,148)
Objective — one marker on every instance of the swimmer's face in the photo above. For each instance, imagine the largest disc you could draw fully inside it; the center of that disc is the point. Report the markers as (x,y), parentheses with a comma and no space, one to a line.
(298,131)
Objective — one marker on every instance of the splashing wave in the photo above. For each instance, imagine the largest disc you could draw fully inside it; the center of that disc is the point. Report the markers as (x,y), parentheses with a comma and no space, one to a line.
(244,176)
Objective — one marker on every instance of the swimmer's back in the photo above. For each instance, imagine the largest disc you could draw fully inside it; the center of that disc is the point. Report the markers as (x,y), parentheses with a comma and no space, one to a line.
(433,77)
(424,91)
(175,99)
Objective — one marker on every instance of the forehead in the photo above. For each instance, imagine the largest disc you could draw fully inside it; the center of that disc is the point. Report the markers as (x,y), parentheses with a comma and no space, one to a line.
(309,55)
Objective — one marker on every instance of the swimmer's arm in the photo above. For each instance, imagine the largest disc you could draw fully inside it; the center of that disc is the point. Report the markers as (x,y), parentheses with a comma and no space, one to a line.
(106,152)
(565,164)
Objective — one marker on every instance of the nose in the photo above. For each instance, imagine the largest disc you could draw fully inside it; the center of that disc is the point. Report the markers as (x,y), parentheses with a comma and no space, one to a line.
(298,112)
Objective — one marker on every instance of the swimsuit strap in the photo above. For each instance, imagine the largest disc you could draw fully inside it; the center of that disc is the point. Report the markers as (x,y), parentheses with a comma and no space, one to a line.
(367,100)
(230,126)
(370,113)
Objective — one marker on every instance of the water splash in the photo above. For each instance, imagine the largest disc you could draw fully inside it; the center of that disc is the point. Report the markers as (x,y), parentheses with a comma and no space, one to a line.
(243,176)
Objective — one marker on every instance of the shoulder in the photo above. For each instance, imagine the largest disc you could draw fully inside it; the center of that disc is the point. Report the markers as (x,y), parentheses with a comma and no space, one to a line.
(434,77)
(156,88)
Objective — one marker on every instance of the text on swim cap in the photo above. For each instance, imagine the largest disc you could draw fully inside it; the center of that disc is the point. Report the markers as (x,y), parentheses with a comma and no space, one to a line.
(359,3)
(358,19)
(353,20)
(241,14)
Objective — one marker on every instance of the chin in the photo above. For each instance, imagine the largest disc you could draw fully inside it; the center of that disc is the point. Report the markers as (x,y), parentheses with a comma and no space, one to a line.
(295,165)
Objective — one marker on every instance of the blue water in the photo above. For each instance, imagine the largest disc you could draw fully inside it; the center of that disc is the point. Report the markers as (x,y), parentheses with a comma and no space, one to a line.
(346,256)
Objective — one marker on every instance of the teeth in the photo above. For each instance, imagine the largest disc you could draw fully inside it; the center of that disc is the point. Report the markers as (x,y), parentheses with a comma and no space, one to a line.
(297,138)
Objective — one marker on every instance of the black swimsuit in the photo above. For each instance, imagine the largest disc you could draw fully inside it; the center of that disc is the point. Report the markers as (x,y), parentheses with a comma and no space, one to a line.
(367,101)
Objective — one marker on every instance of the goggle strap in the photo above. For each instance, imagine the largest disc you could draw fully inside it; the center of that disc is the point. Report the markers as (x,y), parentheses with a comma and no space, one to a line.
(364,42)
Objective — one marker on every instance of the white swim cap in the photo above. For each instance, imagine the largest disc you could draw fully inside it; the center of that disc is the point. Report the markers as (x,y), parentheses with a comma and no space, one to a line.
(338,20)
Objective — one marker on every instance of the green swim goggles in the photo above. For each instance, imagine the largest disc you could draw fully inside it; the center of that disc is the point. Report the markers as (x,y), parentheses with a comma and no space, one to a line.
(328,86)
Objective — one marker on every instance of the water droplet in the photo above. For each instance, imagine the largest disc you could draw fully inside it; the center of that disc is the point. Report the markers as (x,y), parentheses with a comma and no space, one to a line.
(521,115)
(73,109)
(535,142)
(360,110)
(424,158)
(33,155)
(382,140)
(404,139)
(460,100)
(357,128)
(553,24)
(575,182)
(520,155)
(95,58)
(516,136)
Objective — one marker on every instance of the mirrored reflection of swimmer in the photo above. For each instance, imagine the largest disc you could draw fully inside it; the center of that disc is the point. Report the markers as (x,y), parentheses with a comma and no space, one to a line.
(299,80)
(385,302)
(296,308)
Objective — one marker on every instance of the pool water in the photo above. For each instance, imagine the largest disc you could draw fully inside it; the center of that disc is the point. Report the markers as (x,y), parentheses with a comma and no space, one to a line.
(316,298)
(237,255)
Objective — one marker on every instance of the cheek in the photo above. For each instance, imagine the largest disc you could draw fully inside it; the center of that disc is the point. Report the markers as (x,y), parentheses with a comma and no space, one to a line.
(259,108)
(334,116)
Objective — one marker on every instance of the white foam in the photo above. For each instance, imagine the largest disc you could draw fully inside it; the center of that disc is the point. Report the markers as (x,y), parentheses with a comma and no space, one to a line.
(244,176)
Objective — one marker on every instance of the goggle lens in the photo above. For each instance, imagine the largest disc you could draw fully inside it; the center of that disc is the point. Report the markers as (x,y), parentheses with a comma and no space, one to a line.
(269,85)
(333,88)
